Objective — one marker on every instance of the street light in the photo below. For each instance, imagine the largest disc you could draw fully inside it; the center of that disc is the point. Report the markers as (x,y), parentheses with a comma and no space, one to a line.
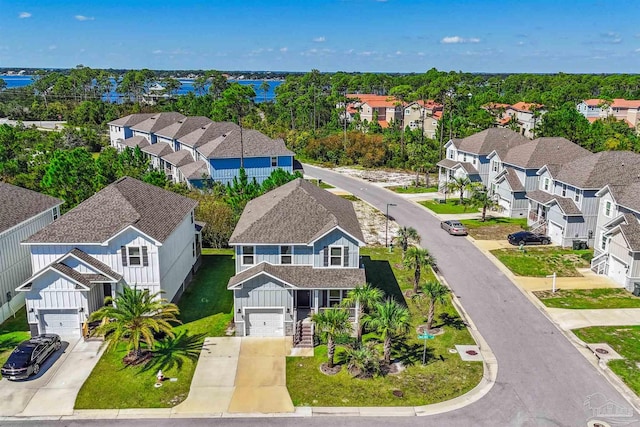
(386,229)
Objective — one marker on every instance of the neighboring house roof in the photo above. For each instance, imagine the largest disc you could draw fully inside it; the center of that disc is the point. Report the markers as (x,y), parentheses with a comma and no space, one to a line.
(183,127)
(304,276)
(158,121)
(135,141)
(544,151)
(567,205)
(614,103)
(383,124)
(525,106)
(513,180)
(207,133)
(131,119)
(178,158)
(631,231)
(374,101)
(297,212)
(19,204)
(195,170)
(626,195)
(158,149)
(125,203)
(599,169)
(454,164)
(493,139)
(255,144)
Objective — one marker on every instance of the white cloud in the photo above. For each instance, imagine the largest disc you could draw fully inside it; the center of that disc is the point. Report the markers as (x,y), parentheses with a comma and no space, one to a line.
(157,52)
(53,47)
(320,39)
(84,18)
(637,50)
(398,52)
(24,15)
(611,37)
(284,49)
(420,53)
(458,39)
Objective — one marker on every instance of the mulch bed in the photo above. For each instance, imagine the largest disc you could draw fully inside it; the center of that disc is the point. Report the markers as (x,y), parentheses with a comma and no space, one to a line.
(133,359)
(324,368)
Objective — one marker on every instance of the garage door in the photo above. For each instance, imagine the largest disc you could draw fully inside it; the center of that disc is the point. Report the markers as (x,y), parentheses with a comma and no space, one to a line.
(264,322)
(555,232)
(504,204)
(61,322)
(617,270)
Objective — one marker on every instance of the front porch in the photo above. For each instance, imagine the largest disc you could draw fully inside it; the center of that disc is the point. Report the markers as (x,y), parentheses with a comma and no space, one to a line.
(307,302)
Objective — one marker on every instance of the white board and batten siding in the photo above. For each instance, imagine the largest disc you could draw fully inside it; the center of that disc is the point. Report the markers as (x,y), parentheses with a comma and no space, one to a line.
(53,291)
(176,257)
(262,292)
(15,260)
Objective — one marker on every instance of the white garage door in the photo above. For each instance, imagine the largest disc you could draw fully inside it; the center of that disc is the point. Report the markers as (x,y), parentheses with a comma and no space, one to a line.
(617,270)
(555,232)
(264,322)
(61,322)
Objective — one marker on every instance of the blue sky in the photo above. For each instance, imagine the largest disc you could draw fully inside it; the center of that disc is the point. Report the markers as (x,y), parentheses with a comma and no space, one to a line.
(330,35)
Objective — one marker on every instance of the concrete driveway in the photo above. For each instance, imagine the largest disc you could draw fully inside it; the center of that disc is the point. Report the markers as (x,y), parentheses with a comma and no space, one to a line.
(53,391)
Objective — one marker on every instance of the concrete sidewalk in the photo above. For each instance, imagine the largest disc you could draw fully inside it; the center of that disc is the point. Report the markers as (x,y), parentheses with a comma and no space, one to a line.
(569,319)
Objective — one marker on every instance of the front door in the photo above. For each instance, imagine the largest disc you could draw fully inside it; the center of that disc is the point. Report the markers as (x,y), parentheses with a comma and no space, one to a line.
(304,299)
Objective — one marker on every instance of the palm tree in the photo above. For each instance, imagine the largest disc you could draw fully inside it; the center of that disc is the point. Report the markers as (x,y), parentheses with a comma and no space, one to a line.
(364,297)
(362,360)
(264,87)
(332,323)
(134,317)
(415,258)
(437,293)
(405,236)
(481,197)
(461,184)
(390,320)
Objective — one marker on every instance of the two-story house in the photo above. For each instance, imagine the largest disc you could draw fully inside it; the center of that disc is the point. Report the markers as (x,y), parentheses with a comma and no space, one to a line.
(514,174)
(526,115)
(622,109)
(381,108)
(617,247)
(469,157)
(192,150)
(120,129)
(423,115)
(22,213)
(297,252)
(129,232)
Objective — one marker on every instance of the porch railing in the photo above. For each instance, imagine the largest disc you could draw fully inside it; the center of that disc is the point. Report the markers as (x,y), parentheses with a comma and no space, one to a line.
(600,264)
(351,310)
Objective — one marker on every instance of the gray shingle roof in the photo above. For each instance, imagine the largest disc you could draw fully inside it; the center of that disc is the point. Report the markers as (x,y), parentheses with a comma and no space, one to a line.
(207,133)
(178,158)
(183,127)
(631,231)
(195,170)
(256,144)
(513,180)
(136,141)
(297,212)
(158,149)
(567,205)
(544,151)
(451,164)
(304,276)
(158,121)
(131,119)
(627,195)
(499,140)
(87,280)
(19,204)
(599,169)
(98,265)
(127,202)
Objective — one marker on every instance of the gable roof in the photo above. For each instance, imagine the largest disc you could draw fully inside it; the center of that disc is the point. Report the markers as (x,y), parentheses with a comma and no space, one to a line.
(304,276)
(499,140)
(135,141)
(158,121)
(631,232)
(512,179)
(627,196)
(372,100)
(195,170)
(131,119)
(98,265)
(178,158)
(183,127)
(599,169)
(526,107)
(255,144)
(567,205)
(19,204)
(158,149)
(297,212)
(125,203)
(207,133)
(544,151)
(454,164)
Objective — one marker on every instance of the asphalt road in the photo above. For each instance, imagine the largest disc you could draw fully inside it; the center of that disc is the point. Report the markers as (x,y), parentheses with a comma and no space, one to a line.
(543,380)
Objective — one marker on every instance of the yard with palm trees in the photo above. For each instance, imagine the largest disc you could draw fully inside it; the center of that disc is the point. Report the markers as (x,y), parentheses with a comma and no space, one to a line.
(443,377)
(205,310)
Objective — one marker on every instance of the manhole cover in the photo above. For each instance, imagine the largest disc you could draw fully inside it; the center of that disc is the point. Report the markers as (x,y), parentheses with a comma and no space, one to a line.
(602,351)
(453,351)
(471,352)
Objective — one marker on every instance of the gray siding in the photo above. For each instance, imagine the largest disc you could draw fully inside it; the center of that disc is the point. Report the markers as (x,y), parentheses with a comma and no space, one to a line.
(302,255)
(263,291)
(336,238)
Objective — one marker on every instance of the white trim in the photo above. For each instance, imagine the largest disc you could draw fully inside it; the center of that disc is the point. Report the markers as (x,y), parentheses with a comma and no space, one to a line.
(330,256)
(242,255)
(246,324)
(46,269)
(106,242)
(337,227)
(290,254)
(8,230)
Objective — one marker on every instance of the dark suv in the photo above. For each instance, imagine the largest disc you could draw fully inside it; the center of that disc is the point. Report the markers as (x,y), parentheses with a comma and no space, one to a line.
(527,237)
(28,356)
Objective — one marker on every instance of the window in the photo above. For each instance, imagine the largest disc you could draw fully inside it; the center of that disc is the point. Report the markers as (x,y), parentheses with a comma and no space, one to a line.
(274,162)
(191,217)
(464,157)
(495,166)
(407,112)
(603,243)
(450,154)
(247,255)
(473,160)
(335,297)
(564,190)
(545,184)
(335,256)
(135,255)
(56,212)
(194,248)
(576,197)
(285,255)
(607,208)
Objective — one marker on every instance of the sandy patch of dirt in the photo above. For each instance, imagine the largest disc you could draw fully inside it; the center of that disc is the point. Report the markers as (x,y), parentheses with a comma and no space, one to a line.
(385,178)
(373,224)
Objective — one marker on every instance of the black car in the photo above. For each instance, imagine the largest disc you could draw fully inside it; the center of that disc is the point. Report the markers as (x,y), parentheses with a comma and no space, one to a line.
(527,237)
(28,356)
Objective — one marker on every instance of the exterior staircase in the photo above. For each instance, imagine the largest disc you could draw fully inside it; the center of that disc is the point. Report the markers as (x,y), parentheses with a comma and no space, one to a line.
(599,264)
(303,336)
(539,227)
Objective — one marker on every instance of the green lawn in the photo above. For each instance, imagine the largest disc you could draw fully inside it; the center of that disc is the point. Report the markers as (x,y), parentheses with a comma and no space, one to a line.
(444,376)
(544,261)
(322,183)
(12,332)
(412,189)
(493,228)
(625,340)
(205,310)
(452,206)
(589,298)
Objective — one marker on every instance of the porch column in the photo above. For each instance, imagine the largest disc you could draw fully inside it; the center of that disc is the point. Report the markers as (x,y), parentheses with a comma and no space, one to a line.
(315,301)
